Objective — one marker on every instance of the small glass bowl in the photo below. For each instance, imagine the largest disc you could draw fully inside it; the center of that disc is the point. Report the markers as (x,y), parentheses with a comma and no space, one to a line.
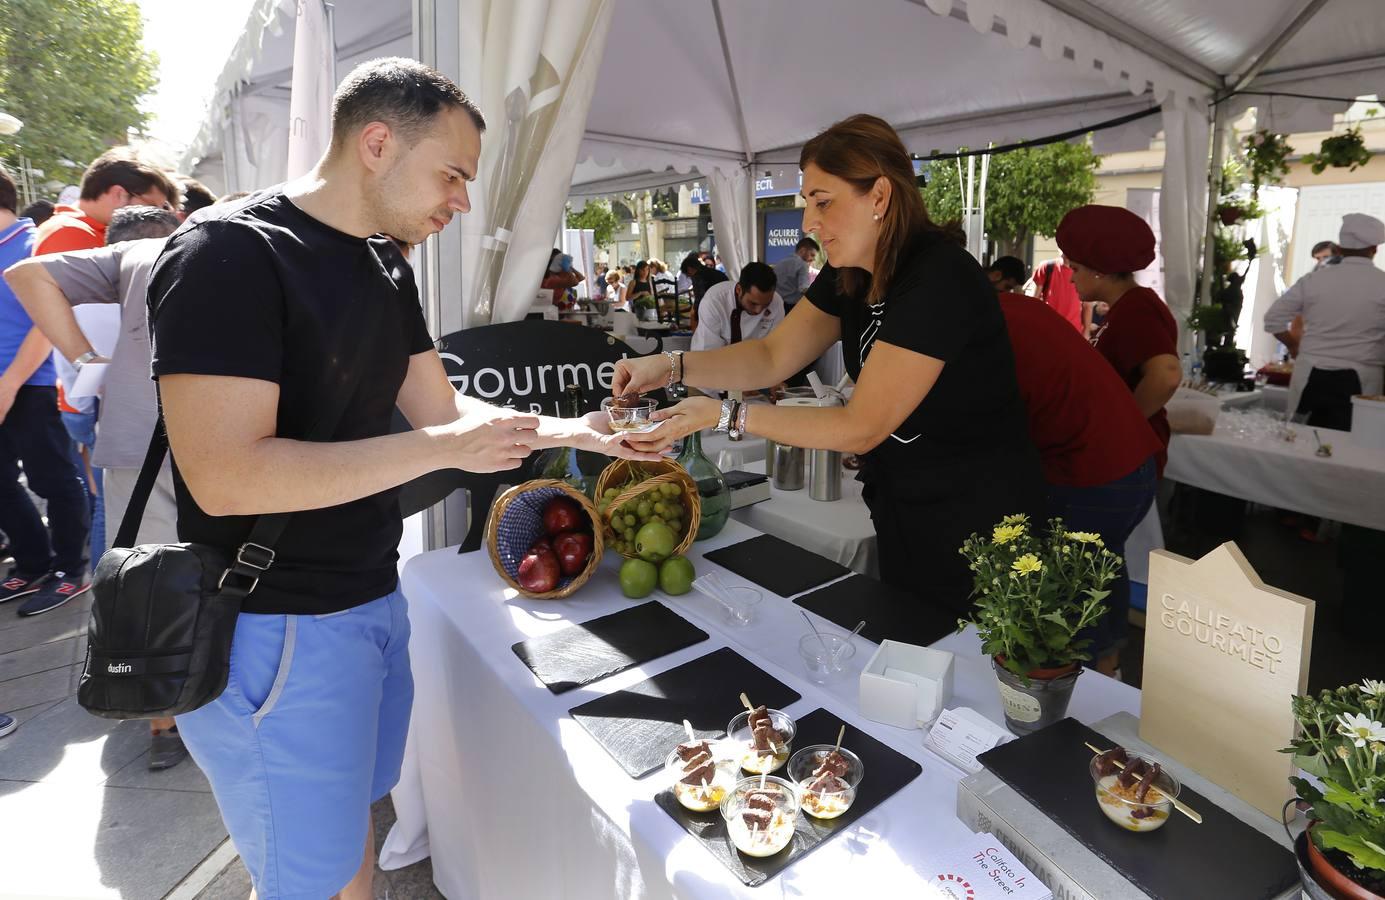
(740,612)
(1119,804)
(825,655)
(633,419)
(749,838)
(824,804)
(739,734)
(699,797)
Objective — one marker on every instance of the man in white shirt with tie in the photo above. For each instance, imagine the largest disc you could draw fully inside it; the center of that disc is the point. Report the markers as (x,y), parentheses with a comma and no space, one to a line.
(732,312)
(1342,352)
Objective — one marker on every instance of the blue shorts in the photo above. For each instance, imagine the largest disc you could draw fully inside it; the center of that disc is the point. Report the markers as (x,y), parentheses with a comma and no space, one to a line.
(308,733)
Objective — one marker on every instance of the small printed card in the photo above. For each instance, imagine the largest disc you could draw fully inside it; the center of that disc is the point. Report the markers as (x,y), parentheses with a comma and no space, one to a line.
(961,734)
(981,868)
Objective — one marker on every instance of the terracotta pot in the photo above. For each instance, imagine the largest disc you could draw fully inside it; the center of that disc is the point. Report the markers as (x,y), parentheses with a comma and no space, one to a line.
(1328,877)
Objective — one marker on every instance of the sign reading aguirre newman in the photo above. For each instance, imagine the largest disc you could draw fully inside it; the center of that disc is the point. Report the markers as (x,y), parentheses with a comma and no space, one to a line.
(1223,655)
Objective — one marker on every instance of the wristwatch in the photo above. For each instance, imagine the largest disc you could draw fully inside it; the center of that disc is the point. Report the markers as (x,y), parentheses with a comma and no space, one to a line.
(85,358)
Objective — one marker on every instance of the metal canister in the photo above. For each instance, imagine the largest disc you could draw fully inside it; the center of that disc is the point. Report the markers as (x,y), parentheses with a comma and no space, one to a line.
(769,458)
(825,475)
(788,467)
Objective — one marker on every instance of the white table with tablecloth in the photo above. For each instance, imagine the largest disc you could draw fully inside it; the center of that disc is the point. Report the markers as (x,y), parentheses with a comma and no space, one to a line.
(513,799)
(1348,486)
(840,530)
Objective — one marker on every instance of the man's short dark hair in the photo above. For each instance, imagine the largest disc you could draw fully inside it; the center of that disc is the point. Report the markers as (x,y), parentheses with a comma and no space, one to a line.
(39,211)
(9,194)
(403,93)
(195,195)
(121,167)
(1010,267)
(135,223)
(759,276)
(691,263)
(1320,246)
(806,243)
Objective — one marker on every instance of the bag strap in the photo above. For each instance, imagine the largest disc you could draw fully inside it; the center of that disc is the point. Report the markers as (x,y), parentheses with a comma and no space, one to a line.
(255,556)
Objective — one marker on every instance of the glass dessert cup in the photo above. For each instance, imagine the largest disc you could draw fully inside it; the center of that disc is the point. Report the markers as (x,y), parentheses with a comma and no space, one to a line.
(754,761)
(760,822)
(1120,803)
(824,804)
(630,416)
(825,655)
(705,793)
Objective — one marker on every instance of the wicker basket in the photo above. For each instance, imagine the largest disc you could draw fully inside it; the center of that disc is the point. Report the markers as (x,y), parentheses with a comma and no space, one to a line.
(661,473)
(516,521)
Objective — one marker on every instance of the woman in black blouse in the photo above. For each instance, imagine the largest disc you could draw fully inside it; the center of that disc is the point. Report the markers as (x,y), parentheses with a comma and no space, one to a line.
(936,414)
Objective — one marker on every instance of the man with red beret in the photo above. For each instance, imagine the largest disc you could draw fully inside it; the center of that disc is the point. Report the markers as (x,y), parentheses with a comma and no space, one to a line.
(1104,246)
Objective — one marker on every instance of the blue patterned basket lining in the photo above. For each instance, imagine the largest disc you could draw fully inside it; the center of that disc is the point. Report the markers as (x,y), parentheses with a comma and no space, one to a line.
(521,525)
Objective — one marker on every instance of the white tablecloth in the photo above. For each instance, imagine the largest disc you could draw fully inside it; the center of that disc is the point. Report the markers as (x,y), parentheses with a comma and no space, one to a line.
(515,800)
(840,530)
(1348,486)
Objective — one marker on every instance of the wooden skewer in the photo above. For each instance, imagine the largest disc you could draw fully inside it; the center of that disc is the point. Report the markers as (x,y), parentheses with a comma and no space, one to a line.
(746,701)
(841,733)
(1179,805)
(687,726)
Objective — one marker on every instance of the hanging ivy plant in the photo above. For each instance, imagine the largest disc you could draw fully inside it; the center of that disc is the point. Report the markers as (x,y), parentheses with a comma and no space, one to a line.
(1267,155)
(1340,151)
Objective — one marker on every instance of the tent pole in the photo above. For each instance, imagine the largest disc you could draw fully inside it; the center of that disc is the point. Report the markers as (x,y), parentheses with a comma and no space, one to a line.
(1209,243)
(331,10)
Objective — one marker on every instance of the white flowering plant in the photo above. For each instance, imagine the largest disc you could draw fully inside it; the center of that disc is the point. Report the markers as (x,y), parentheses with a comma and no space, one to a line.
(1342,742)
(1034,593)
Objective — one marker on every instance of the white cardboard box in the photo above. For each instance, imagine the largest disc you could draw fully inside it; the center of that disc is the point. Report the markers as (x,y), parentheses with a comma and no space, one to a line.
(906,685)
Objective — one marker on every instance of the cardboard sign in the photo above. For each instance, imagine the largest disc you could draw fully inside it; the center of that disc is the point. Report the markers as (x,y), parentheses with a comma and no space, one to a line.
(1223,655)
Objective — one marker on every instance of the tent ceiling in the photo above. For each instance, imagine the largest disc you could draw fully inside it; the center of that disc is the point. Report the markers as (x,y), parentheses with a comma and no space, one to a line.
(946,72)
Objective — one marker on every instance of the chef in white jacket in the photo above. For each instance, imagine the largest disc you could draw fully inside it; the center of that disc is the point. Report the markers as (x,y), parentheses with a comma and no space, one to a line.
(737,311)
(1342,352)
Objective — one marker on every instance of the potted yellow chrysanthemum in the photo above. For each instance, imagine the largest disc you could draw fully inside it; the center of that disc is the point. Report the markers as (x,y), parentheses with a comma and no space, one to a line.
(1033,596)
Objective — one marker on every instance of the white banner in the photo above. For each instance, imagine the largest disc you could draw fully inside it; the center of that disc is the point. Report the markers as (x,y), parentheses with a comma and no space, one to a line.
(310,103)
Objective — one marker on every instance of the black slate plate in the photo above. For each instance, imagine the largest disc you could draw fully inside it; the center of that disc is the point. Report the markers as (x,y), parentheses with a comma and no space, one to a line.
(583,653)
(640,725)
(1223,857)
(886,772)
(776,565)
(889,612)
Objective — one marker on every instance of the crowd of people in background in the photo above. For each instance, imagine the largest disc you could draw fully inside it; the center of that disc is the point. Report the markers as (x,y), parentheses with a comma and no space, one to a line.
(81,453)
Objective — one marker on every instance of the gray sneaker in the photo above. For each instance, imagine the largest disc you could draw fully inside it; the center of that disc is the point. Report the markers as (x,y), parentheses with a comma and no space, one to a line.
(166,750)
(7,724)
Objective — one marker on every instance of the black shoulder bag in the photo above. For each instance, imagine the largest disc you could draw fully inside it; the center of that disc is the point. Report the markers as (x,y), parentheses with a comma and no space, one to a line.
(163,615)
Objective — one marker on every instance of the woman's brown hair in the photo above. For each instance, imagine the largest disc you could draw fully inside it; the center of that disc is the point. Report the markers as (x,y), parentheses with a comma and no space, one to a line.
(859,150)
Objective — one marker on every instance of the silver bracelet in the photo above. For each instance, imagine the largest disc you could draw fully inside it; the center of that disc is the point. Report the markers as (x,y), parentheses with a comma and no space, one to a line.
(741,417)
(724,421)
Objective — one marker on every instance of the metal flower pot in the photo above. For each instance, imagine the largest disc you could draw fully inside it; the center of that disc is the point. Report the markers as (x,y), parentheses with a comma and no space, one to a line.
(1041,702)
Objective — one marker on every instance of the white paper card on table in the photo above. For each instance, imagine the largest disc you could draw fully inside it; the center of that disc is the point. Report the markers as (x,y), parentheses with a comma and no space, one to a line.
(981,868)
(961,734)
(89,381)
(905,685)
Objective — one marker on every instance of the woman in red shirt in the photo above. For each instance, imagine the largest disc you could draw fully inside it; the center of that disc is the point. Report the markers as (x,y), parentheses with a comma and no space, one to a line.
(1096,449)
(1104,246)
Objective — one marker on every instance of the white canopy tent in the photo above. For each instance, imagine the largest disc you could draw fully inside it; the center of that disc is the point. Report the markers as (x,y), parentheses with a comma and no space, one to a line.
(593,96)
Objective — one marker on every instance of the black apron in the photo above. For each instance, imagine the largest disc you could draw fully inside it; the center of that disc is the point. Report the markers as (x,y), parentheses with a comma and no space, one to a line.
(1326,398)
(925,510)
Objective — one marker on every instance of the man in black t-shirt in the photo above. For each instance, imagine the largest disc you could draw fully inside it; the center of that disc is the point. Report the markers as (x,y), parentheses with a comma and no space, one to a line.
(261,309)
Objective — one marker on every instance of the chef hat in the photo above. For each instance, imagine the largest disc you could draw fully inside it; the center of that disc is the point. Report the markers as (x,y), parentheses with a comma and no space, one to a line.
(1106,238)
(1360,231)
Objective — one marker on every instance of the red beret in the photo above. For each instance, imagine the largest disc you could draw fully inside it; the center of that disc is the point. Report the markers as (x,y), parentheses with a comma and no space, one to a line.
(1108,239)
